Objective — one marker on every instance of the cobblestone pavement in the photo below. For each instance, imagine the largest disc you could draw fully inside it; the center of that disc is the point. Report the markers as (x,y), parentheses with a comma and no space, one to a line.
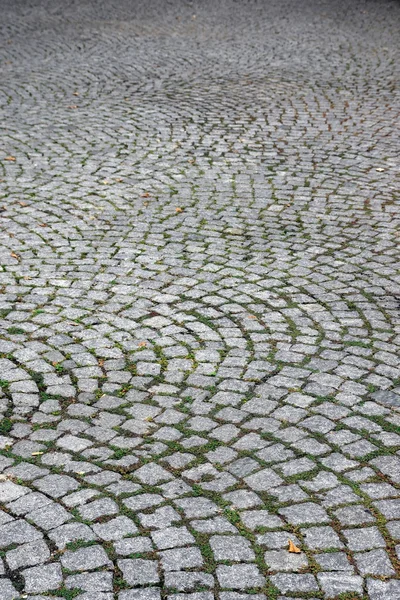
(200,300)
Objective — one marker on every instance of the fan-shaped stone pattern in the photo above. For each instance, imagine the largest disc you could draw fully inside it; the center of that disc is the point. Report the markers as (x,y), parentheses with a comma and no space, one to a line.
(200,300)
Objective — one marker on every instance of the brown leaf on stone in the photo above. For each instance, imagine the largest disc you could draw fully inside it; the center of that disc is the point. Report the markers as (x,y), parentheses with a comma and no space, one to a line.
(15,256)
(22,203)
(10,158)
(178,209)
(142,344)
(293,548)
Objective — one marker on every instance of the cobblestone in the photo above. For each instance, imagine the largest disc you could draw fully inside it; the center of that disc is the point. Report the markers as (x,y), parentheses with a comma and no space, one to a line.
(199,300)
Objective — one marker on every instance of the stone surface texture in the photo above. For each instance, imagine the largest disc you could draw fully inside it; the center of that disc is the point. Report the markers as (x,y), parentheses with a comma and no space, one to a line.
(199,299)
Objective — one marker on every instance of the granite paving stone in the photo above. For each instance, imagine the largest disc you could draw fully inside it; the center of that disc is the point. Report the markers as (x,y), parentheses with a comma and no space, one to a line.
(199,307)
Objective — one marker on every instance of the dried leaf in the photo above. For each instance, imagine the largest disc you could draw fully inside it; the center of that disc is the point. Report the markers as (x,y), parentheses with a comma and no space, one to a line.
(15,256)
(22,203)
(379,169)
(37,453)
(251,317)
(75,94)
(42,224)
(148,419)
(142,344)
(293,548)
(146,195)
(10,158)
(178,210)
(72,106)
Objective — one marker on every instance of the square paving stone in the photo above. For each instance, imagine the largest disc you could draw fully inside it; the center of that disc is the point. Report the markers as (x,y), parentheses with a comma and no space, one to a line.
(162,517)
(115,528)
(197,507)
(179,559)
(49,517)
(152,474)
(318,424)
(374,562)
(354,515)
(364,539)
(389,508)
(101,581)
(56,486)
(28,503)
(263,480)
(383,590)
(85,559)
(243,499)
(334,584)
(139,571)
(294,582)
(321,538)
(18,532)
(98,508)
(234,548)
(73,443)
(133,545)
(243,466)
(142,501)
(261,518)
(295,467)
(186,581)
(9,491)
(43,578)
(339,495)
(282,560)
(334,561)
(28,555)
(239,577)
(308,512)
(172,537)
(71,532)
(213,525)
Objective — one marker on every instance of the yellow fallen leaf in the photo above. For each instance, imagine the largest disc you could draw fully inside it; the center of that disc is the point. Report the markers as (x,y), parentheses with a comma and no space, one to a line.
(293,548)
(37,453)
(148,419)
